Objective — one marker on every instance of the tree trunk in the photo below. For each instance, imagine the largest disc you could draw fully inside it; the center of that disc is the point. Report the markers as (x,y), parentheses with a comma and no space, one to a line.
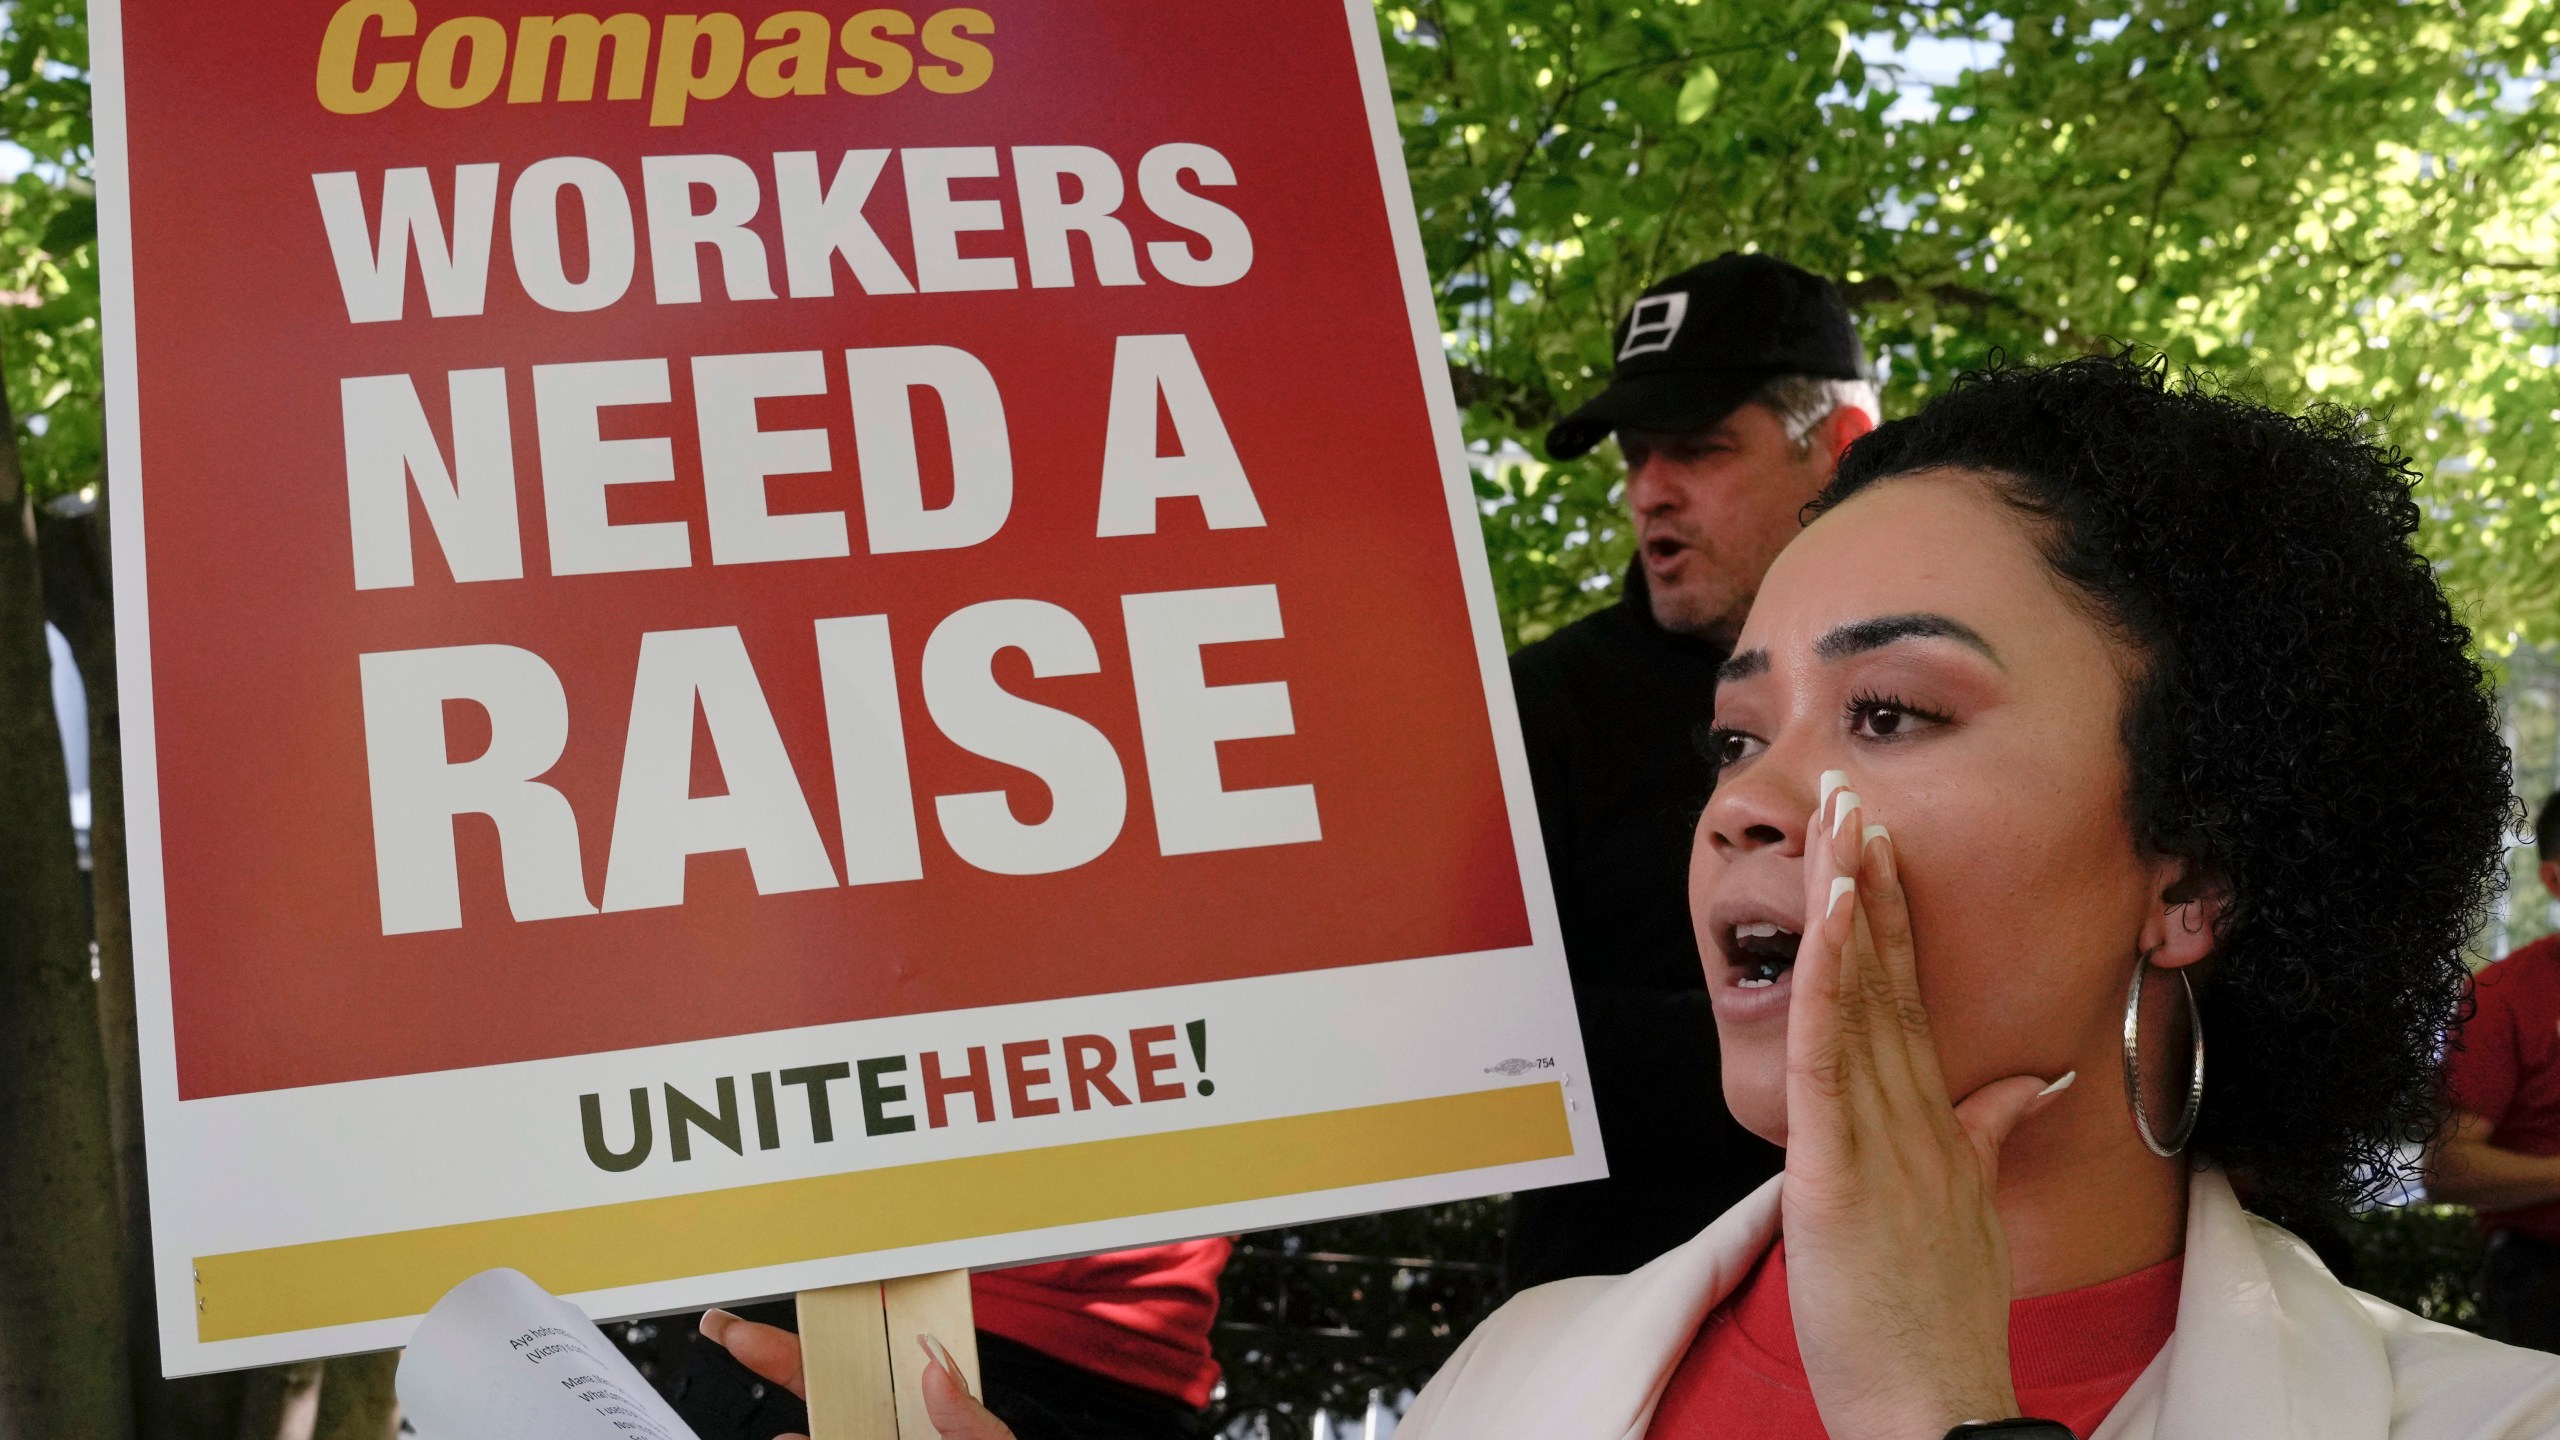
(79,597)
(356,1399)
(62,1334)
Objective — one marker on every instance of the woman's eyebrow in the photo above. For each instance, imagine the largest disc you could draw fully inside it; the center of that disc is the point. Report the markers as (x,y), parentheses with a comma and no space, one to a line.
(1860,636)
(1743,666)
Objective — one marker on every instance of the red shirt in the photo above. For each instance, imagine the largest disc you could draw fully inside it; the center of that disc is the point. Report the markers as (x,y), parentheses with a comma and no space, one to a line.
(1140,1317)
(2504,1066)
(2072,1356)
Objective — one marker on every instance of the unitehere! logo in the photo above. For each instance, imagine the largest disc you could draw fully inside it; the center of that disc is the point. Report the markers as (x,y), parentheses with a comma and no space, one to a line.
(367,61)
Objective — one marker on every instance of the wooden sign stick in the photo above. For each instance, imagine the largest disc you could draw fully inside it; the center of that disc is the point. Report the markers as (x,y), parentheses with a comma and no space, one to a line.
(863,1368)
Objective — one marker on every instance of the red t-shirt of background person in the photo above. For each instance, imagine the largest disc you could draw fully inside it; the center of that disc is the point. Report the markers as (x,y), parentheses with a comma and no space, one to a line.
(2503,1065)
(1140,1317)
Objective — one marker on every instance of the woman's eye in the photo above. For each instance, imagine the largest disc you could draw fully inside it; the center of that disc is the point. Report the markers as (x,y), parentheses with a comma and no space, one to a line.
(1884,719)
(1724,747)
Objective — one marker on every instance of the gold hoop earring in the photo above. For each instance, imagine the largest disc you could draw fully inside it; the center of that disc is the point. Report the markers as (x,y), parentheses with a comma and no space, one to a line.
(2133,1065)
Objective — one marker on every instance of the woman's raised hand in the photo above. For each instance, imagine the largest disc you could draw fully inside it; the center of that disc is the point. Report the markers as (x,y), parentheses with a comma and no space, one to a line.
(1897,1269)
(774,1353)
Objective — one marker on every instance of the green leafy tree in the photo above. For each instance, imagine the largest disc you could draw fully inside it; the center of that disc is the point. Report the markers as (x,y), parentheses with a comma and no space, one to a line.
(48,249)
(63,1292)
(2339,202)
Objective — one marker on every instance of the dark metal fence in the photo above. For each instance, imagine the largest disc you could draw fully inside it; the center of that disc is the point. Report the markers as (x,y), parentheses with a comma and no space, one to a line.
(2423,1258)
(1329,1318)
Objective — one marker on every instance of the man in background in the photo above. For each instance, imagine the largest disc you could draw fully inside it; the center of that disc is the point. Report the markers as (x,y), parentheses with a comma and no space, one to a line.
(1736,386)
(2500,1153)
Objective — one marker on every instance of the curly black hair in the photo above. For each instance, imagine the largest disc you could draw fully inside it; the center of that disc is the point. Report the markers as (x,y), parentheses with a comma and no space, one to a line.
(2306,722)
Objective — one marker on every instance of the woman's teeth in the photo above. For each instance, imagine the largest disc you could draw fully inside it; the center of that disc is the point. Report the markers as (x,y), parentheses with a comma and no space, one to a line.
(1763,951)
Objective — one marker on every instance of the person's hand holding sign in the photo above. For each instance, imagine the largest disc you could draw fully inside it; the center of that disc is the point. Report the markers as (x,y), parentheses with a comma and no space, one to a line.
(774,1353)
(1897,1267)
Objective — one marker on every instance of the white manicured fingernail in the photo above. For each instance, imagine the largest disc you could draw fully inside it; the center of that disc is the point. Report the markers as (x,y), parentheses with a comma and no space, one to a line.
(1840,885)
(2058,1086)
(1873,832)
(1833,780)
(933,1348)
(1848,801)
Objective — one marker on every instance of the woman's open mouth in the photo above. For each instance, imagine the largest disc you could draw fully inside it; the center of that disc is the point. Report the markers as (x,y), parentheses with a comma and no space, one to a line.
(1761,951)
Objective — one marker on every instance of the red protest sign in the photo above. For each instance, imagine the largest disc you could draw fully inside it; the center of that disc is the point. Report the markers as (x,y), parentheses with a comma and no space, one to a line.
(647,530)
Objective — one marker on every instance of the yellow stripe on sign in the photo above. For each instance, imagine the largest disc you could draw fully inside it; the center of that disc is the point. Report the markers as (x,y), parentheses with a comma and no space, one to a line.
(636,1242)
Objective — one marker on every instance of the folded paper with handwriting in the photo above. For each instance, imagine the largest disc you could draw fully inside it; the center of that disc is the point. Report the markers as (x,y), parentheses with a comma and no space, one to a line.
(499,1358)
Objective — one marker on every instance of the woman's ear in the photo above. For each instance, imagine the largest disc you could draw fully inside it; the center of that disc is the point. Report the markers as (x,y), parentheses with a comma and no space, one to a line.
(2185,925)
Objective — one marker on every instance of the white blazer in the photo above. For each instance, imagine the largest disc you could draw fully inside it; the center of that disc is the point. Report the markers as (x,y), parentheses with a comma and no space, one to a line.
(2267,1344)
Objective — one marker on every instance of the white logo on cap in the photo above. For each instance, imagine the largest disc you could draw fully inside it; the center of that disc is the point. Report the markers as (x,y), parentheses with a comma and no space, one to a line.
(1655,324)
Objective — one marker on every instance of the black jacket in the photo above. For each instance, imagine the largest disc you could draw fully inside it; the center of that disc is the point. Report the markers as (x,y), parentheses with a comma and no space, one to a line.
(1612,708)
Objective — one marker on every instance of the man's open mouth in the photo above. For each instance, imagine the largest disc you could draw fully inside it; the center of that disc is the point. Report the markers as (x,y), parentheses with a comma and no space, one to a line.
(1662,547)
(1761,951)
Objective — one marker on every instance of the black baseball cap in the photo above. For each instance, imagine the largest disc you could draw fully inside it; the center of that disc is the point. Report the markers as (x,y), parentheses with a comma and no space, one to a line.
(1700,343)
